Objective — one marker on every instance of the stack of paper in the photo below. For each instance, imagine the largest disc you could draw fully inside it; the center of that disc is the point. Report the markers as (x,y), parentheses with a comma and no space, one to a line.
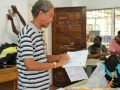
(74,67)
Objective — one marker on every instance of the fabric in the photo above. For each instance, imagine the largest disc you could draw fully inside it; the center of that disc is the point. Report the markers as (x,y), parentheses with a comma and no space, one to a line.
(109,76)
(9,50)
(89,52)
(112,65)
(31,45)
(8,53)
(114,46)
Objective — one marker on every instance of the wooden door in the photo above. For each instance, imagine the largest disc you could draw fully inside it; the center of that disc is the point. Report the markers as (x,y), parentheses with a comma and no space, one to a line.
(68,34)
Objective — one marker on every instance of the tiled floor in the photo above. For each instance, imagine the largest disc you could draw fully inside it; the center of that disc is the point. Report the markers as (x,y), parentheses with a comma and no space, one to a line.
(10,85)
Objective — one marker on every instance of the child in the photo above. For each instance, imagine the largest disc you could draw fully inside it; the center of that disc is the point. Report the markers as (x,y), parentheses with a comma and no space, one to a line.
(95,51)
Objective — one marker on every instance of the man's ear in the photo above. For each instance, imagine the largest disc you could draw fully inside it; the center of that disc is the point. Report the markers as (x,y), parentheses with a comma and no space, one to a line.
(40,13)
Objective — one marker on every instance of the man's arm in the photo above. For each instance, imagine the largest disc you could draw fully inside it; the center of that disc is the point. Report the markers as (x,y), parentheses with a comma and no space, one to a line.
(56,58)
(53,58)
(32,65)
(95,56)
(13,25)
(20,16)
(105,51)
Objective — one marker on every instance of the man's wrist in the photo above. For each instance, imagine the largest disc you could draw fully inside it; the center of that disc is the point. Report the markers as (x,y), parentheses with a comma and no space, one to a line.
(59,56)
(54,64)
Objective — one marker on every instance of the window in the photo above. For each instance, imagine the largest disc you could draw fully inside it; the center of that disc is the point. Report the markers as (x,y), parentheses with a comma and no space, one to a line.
(105,23)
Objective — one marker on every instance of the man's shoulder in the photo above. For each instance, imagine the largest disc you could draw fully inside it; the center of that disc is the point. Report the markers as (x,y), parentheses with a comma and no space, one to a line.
(26,30)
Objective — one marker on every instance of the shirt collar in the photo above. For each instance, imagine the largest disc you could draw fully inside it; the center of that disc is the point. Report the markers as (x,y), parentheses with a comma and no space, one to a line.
(35,28)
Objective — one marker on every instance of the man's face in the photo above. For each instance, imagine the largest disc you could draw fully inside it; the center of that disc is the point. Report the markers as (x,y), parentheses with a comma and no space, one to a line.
(47,18)
(96,40)
(118,39)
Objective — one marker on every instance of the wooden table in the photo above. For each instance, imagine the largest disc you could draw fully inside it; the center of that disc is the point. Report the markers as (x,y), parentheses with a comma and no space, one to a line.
(92,61)
(9,74)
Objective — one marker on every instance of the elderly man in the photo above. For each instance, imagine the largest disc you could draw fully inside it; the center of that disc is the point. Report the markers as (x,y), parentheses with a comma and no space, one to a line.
(32,62)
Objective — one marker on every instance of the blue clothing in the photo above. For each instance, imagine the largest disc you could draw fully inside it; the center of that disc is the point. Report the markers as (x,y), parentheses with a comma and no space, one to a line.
(109,73)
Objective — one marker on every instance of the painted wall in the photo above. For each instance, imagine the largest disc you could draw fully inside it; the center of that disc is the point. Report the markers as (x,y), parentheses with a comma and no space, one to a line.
(91,4)
(6,34)
(96,4)
(56,3)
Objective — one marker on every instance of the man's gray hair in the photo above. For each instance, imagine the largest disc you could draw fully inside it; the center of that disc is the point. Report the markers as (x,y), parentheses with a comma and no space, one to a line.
(43,5)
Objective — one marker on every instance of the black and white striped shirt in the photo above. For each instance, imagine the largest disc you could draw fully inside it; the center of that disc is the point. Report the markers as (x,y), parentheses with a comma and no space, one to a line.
(31,45)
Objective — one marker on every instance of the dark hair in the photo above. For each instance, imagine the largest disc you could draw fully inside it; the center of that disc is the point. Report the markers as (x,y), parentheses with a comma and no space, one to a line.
(95,46)
(118,32)
(99,38)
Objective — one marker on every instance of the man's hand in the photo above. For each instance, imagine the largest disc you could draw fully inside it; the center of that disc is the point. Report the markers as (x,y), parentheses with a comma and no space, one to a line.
(9,17)
(14,9)
(63,60)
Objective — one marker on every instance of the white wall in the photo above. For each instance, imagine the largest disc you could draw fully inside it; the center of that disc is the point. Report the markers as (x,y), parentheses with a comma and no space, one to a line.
(56,3)
(96,4)
(6,34)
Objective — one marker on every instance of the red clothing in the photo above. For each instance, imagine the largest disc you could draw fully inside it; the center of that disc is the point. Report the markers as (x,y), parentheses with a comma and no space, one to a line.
(114,46)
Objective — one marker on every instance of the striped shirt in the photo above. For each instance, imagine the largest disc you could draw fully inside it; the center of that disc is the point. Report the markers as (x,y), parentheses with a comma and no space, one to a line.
(30,44)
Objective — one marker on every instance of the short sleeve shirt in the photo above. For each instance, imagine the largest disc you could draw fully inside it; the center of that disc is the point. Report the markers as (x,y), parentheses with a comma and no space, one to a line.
(30,44)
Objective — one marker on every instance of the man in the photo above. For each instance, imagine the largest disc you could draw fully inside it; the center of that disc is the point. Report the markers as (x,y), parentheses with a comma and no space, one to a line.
(32,62)
(95,51)
(114,46)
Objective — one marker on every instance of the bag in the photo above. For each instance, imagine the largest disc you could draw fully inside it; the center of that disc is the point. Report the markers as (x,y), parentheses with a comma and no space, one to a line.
(112,65)
(8,53)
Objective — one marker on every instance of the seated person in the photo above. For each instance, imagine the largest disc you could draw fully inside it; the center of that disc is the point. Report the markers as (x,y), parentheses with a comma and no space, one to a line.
(95,51)
(114,45)
(98,40)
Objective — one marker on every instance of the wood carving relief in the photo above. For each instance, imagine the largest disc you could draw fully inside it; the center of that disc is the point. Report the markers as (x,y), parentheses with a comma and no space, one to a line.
(68,34)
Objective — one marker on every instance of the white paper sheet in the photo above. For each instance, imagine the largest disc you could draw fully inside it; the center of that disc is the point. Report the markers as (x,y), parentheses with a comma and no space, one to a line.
(76,73)
(60,89)
(77,58)
(11,12)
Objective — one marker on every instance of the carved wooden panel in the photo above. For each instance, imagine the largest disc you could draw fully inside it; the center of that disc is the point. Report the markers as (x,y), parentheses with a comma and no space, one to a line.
(68,34)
